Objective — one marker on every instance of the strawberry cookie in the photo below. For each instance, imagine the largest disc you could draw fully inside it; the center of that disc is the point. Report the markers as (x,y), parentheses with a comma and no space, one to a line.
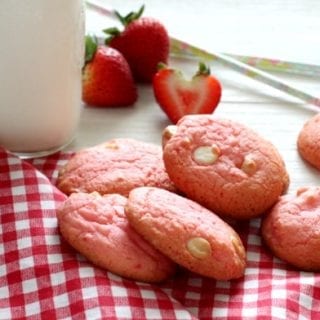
(224,166)
(116,166)
(189,234)
(309,141)
(292,229)
(97,227)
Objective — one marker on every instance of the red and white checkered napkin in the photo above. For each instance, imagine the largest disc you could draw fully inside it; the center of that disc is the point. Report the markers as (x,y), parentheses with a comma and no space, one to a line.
(41,277)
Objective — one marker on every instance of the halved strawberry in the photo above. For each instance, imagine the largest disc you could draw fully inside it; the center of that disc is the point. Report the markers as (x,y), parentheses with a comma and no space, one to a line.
(178,96)
(106,79)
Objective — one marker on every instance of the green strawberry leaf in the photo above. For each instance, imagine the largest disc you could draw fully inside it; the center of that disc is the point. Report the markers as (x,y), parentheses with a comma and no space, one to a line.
(91,46)
(125,20)
(111,32)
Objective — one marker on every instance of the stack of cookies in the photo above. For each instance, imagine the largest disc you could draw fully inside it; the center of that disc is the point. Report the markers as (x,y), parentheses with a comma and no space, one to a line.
(139,210)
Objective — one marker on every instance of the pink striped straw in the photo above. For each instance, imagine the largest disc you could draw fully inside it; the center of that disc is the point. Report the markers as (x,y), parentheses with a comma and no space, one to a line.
(184,47)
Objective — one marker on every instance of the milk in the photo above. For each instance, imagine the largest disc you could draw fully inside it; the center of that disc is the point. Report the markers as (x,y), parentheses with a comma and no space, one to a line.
(41,56)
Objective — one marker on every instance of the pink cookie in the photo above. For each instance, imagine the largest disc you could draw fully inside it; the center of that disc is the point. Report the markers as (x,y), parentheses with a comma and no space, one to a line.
(97,227)
(224,165)
(309,141)
(116,166)
(189,234)
(292,229)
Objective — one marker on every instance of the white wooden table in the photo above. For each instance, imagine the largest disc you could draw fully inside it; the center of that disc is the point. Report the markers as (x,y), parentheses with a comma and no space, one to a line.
(284,30)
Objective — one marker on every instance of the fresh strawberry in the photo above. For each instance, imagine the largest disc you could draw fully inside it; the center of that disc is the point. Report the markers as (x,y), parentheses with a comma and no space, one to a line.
(144,42)
(107,79)
(178,96)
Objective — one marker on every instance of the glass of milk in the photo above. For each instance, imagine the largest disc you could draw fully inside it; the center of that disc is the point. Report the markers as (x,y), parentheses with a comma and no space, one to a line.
(41,57)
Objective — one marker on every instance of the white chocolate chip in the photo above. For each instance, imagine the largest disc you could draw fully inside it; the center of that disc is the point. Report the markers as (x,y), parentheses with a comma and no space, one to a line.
(111,145)
(206,154)
(95,194)
(238,247)
(199,247)
(249,166)
(168,133)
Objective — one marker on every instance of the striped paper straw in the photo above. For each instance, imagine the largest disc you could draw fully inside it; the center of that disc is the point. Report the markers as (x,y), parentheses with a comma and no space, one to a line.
(277,65)
(268,64)
(184,47)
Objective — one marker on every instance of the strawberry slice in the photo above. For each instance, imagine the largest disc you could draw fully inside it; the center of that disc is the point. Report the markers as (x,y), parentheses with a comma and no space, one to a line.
(178,96)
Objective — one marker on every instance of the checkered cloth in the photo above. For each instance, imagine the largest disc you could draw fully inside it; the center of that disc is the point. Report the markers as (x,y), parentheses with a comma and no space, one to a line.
(42,277)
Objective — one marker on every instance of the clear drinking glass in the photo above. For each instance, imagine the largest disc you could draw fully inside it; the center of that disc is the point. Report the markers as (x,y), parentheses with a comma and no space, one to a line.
(41,56)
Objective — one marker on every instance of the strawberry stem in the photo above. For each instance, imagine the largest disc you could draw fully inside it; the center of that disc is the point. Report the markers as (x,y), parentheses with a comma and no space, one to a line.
(91,46)
(125,20)
(161,66)
(203,70)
